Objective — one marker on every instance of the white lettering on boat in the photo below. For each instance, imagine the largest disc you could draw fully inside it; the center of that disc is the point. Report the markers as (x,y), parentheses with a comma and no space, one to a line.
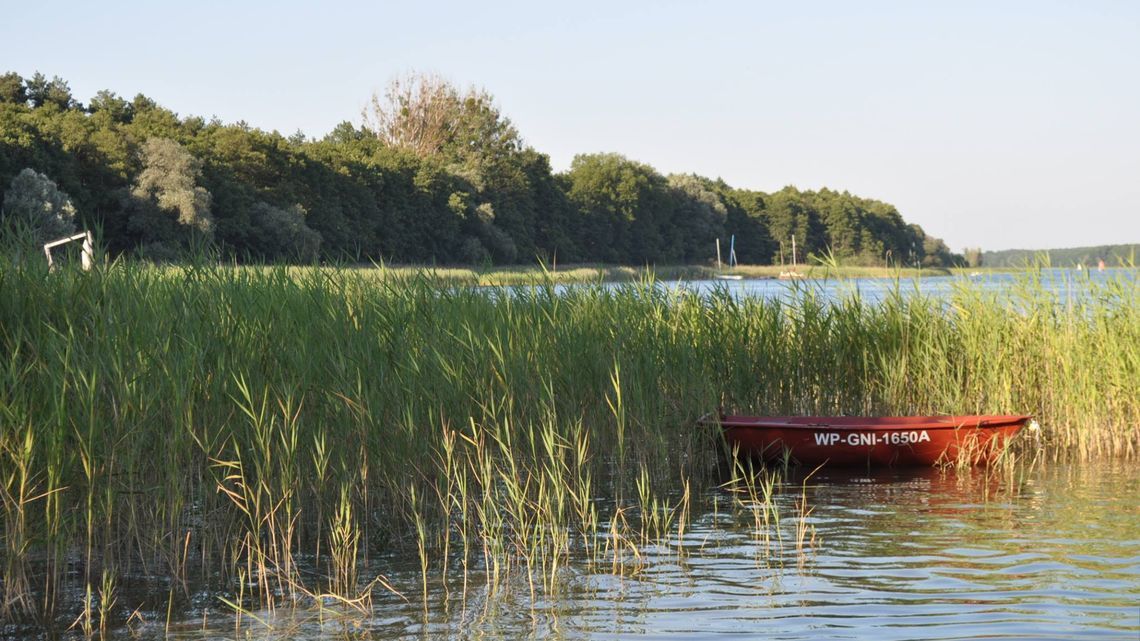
(863,439)
(826,438)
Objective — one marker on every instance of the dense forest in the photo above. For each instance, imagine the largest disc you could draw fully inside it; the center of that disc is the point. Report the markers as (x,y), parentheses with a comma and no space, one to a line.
(432,174)
(1112,255)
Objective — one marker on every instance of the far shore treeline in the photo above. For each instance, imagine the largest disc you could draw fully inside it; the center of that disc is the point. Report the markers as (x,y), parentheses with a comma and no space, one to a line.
(1112,255)
(433,174)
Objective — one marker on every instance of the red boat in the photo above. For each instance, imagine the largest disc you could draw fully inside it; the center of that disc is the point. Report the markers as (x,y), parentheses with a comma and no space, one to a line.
(872,440)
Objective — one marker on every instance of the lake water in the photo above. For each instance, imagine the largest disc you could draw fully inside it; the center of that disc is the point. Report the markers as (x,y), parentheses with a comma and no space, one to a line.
(1066,284)
(1045,553)
(1063,282)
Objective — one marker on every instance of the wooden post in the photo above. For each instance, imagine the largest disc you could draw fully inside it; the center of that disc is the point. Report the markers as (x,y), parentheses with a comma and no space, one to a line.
(793,250)
(87,255)
(718,253)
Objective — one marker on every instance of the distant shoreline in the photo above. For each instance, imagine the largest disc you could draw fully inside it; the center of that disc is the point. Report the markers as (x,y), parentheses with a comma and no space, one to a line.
(606,273)
(601,273)
(591,273)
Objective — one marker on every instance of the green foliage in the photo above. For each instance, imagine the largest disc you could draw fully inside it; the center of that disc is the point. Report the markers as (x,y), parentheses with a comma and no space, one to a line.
(747,221)
(858,231)
(167,198)
(42,91)
(35,209)
(935,253)
(284,234)
(699,218)
(625,208)
(12,88)
(973,256)
(1112,255)
(109,103)
(436,175)
(791,218)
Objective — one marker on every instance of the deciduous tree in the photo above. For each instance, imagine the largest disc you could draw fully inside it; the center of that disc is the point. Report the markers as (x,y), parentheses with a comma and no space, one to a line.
(417,112)
(283,234)
(167,192)
(36,209)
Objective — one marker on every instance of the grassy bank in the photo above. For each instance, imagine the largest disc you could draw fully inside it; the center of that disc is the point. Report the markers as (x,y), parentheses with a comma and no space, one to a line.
(213,426)
(596,273)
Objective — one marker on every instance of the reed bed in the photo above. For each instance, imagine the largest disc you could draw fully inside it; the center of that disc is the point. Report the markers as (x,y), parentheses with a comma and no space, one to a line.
(270,433)
(596,273)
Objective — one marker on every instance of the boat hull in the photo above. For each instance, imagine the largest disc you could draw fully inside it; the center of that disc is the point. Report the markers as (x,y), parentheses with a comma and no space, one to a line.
(872,441)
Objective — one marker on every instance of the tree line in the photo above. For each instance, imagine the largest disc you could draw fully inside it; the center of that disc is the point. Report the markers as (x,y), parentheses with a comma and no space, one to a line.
(1112,255)
(432,174)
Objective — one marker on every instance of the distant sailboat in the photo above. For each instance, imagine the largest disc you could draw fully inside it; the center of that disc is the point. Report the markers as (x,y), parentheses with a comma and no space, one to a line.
(793,273)
(731,259)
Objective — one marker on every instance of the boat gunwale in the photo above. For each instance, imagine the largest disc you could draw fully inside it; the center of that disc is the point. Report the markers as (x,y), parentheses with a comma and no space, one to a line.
(869,423)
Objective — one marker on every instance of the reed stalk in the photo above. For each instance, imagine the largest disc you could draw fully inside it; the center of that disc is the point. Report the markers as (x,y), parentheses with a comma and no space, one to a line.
(217,424)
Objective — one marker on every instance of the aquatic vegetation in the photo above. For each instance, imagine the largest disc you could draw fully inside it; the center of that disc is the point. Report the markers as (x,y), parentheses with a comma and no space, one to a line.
(270,432)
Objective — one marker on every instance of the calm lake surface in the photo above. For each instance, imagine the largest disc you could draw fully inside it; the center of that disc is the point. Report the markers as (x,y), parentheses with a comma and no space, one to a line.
(1045,553)
(1066,283)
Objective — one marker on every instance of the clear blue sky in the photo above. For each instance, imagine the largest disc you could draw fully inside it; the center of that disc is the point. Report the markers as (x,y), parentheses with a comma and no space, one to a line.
(993,124)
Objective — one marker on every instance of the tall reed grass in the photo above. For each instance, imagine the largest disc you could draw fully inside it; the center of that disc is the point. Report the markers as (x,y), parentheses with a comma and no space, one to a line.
(269,432)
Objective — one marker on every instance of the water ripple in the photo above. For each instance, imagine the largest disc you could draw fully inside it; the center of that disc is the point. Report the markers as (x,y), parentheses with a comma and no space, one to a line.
(897,557)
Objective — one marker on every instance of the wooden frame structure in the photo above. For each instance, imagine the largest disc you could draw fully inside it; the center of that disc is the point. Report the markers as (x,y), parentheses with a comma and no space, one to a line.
(87,254)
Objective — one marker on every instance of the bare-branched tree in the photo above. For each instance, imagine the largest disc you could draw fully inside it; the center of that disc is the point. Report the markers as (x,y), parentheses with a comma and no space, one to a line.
(417,112)
(427,115)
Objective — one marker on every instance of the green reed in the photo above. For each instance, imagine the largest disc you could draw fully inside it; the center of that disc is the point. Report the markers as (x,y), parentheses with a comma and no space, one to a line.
(271,432)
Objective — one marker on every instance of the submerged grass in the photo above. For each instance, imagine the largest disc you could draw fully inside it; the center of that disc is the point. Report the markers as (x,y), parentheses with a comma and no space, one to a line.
(269,432)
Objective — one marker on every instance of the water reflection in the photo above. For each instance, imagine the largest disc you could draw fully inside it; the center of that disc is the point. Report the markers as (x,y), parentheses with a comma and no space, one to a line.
(920,554)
